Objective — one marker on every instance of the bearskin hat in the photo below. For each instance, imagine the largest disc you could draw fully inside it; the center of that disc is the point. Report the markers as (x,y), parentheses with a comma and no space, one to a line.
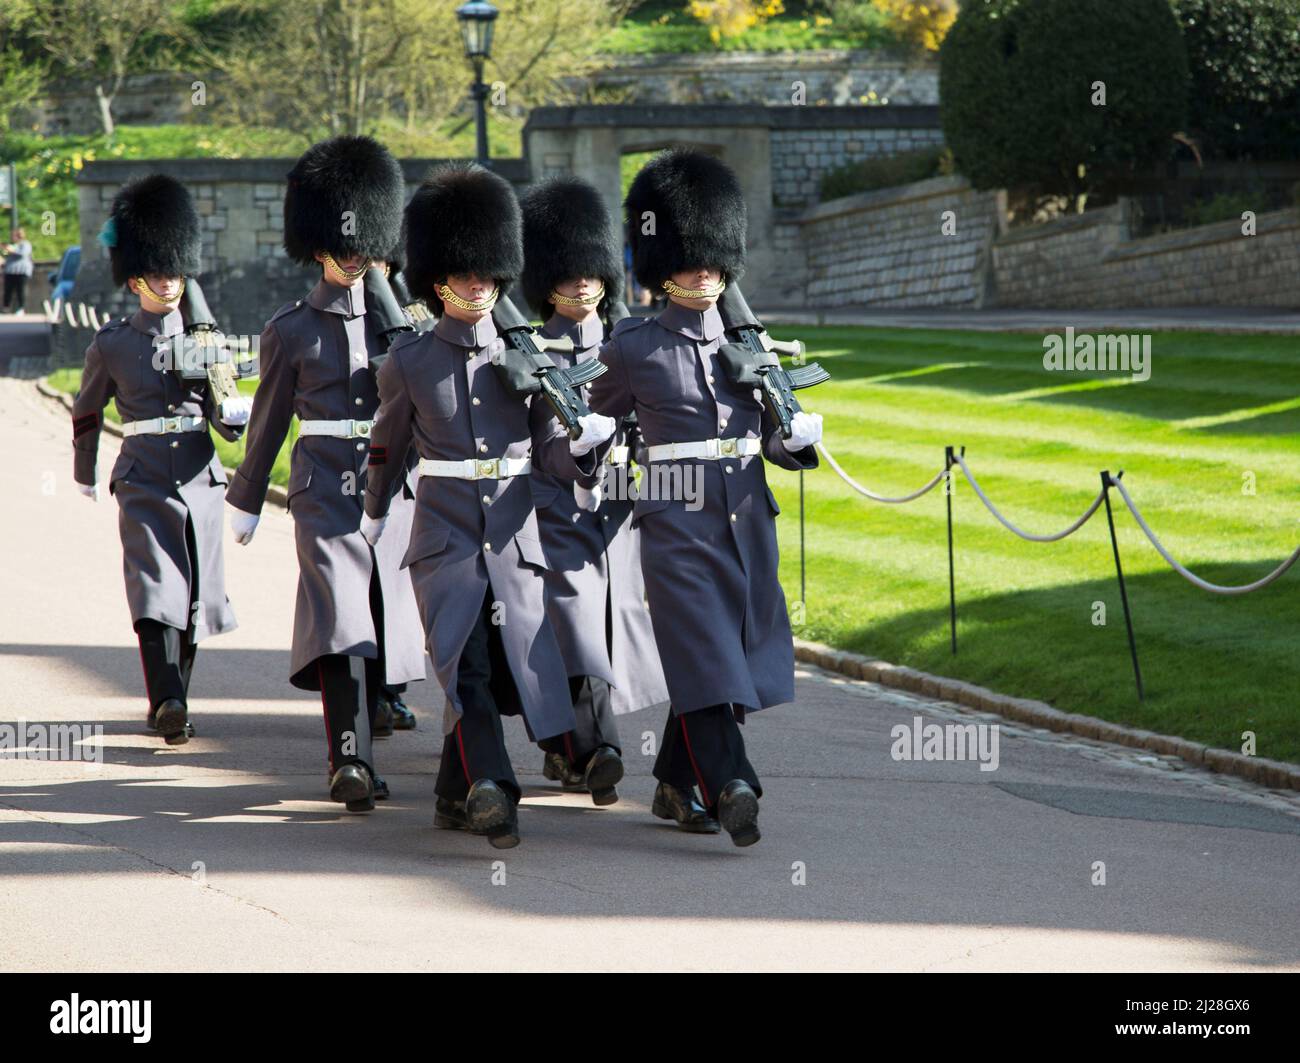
(697,209)
(153,228)
(567,234)
(462,219)
(343,196)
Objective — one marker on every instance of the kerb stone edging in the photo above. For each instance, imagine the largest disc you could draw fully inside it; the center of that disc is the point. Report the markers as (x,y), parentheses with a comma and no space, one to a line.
(1261,770)
(274,494)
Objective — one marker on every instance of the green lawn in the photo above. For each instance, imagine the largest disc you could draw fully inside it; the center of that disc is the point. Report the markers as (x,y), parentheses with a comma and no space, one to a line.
(1215,408)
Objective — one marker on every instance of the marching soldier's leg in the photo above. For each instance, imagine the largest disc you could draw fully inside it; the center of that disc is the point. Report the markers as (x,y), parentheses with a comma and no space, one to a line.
(729,786)
(387,710)
(675,795)
(589,757)
(347,726)
(477,789)
(165,679)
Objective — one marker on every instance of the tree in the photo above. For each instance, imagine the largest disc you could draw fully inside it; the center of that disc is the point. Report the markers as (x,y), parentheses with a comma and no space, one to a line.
(101,40)
(1245,67)
(340,66)
(1067,96)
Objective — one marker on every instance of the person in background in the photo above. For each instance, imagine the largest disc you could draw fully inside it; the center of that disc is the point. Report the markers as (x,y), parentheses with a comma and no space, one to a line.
(18,267)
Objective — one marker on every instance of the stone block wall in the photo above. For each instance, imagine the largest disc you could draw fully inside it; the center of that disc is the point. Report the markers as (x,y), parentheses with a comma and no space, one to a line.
(889,248)
(801,156)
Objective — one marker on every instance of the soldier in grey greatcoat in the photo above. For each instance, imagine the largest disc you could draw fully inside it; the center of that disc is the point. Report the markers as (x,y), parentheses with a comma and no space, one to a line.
(167,480)
(595,595)
(710,568)
(356,627)
(475,555)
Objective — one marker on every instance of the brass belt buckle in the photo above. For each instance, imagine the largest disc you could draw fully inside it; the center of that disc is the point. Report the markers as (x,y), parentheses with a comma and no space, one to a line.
(361,429)
(728,448)
(172,424)
(489,468)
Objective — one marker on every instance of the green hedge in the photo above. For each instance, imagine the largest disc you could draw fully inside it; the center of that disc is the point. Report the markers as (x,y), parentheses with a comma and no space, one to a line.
(871,174)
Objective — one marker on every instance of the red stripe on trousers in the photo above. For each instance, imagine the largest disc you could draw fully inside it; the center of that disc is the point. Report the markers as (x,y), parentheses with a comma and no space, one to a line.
(704,790)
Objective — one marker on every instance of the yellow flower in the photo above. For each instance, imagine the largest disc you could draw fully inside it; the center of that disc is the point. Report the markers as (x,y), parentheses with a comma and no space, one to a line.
(33,183)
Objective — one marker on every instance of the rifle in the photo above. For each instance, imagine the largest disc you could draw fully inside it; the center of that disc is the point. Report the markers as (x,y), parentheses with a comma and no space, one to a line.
(752,358)
(206,355)
(416,309)
(390,320)
(525,368)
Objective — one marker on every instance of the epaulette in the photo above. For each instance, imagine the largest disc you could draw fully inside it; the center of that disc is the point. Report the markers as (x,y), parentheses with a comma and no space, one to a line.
(629,323)
(405,339)
(111,324)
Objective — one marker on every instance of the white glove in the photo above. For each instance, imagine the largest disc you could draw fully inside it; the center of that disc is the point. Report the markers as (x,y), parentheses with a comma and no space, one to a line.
(243,525)
(91,491)
(372,528)
(596,428)
(805,430)
(235,411)
(589,498)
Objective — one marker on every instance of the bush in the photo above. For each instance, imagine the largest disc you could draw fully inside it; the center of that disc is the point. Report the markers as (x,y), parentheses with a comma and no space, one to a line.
(871,174)
(1017,80)
(1244,57)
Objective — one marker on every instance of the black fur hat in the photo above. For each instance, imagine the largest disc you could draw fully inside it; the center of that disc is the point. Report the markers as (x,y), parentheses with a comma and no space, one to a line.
(698,212)
(567,234)
(462,219)
(337,176)
(153,228)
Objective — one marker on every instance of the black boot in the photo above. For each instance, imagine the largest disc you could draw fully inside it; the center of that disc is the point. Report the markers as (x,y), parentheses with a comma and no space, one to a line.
(557,768)
(403,718)
(603,773)
(353,786)
(171,720)
(489,810)
(450,815)
(671,802)
(381,789)
(382,727)
(738,812)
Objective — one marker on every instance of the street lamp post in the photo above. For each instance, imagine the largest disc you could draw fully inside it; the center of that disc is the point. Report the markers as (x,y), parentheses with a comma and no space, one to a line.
(476,21)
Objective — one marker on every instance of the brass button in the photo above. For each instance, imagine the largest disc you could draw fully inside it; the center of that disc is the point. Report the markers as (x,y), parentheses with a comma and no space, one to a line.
(175,443)
(476,401)
(710,380)
(733,518)
(487,546)
(361,446)
(723,422)
(729,468)
(487,500)
(482,448)
(357,400)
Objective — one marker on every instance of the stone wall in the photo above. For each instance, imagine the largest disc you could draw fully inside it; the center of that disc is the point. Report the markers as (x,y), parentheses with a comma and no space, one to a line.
(800,157)
(247,275)
(1090,261)
(889,248)
(831,77)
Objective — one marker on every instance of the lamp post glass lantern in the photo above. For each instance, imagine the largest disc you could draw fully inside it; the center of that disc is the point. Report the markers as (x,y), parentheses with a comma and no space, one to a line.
(477,19)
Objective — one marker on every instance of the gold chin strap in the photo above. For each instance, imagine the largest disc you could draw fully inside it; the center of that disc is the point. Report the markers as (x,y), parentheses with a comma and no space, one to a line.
(568,300)
(700,293)
(158,298)
(448,296)
(348,275)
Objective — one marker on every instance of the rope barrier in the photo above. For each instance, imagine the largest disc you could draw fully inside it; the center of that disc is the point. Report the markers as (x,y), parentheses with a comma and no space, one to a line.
(1087,515)
(872,494)
(1188,575)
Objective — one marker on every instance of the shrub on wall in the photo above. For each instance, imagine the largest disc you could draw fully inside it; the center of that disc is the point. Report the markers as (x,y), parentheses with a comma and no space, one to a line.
(867,175)
(1069,96)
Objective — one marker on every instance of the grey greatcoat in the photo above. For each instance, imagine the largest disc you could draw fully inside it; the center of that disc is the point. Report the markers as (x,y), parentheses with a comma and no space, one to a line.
(440,389)
(595,594)
(719,613)
(315,362)
(162,482)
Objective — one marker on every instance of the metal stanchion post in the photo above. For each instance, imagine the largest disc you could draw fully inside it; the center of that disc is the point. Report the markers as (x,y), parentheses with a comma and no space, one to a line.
(1119,571)
(952,585)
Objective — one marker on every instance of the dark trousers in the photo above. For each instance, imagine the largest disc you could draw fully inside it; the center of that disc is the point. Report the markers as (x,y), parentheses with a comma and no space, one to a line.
(348,693)
(167,657)
(596,724)
(476,747)
(15,290)
(704,748)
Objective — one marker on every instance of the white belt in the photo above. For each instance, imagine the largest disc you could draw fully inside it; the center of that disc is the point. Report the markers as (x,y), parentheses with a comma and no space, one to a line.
(477,468)
(338,429)
(712,449)
(159,426)
(617,456)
